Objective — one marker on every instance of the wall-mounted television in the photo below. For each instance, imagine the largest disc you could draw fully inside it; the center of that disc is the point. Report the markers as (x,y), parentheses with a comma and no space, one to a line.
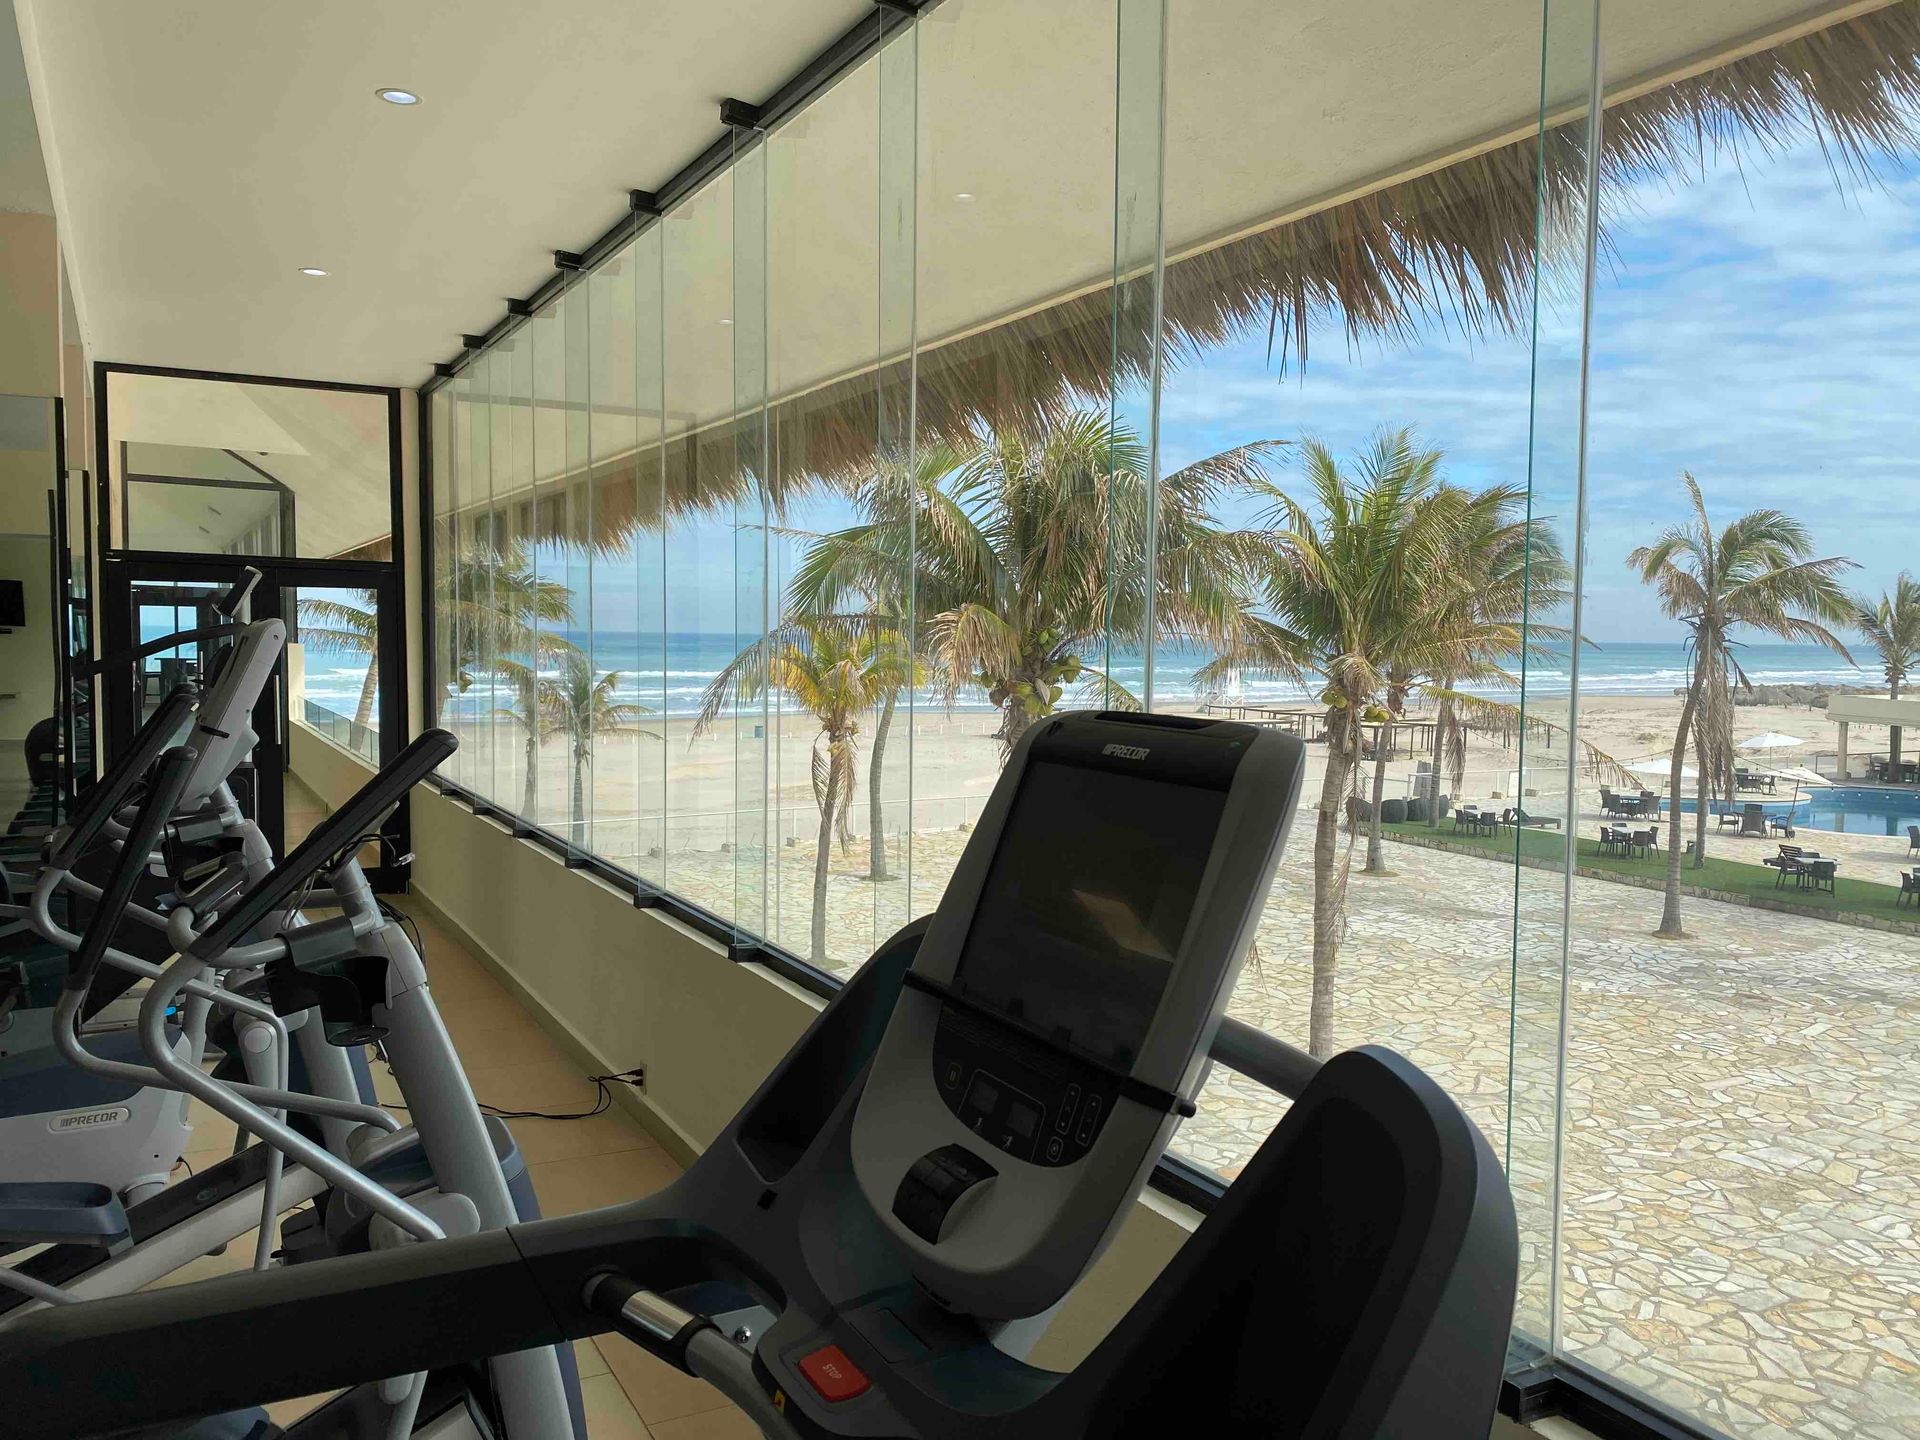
(13,605)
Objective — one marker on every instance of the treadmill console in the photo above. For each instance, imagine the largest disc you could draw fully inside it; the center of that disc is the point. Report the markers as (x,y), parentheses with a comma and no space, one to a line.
(1054,1025)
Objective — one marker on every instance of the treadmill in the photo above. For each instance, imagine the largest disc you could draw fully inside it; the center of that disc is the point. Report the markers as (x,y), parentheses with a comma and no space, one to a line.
(871,1246)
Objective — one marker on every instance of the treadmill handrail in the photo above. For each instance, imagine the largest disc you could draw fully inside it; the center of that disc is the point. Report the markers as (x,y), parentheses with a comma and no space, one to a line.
(142,835)
(1252,1052)
(361,813)
(107,794)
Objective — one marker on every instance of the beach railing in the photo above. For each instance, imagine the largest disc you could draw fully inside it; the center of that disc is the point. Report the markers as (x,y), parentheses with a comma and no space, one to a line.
(342,730)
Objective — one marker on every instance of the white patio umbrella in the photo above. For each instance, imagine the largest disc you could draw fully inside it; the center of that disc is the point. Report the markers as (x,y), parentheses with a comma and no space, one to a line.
(1661,770)
(1772,740)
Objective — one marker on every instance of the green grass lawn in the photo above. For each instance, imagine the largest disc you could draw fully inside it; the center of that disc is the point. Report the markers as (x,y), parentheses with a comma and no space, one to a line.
(1744,878)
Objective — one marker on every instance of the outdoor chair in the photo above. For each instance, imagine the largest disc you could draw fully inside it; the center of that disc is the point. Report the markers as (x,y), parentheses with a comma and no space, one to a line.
(1464,820)
(1779,826)
(1485,820)
(1643,842)
(1753,820)
(1613,840)
(1817,875)
(1745,780)
(1723,817)
(1913,839)
(1909,888)
(1789,866)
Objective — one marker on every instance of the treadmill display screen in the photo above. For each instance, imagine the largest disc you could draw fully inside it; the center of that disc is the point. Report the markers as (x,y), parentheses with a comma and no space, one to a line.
(1086,902)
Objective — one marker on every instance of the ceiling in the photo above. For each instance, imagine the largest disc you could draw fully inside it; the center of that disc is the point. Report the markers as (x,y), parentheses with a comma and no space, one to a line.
(220,168)
(201,154)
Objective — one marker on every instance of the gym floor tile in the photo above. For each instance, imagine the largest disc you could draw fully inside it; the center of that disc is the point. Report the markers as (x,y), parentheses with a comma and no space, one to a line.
(658,1391)
(542,1140)
(588,1182)
(609,1416)
(725,1424)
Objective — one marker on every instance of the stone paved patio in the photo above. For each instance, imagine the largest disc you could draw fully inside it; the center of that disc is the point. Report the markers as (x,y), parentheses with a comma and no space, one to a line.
(1742,1153)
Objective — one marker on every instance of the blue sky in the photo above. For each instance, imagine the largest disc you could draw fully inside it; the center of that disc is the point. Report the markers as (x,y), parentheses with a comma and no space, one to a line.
(1756,326)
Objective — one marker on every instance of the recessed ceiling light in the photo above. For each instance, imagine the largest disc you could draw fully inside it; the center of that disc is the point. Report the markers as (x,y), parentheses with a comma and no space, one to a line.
(394,96)
(311,270)
(965,197)
(726,322)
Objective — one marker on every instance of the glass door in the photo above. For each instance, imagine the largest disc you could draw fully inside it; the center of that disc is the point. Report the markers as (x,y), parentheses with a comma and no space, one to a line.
(334,711)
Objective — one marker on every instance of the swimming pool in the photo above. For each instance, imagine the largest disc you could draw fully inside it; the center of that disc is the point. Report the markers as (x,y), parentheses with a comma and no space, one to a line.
(1859,809)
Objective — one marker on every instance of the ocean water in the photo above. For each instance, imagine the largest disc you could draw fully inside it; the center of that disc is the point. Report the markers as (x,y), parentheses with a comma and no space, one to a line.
(671,673)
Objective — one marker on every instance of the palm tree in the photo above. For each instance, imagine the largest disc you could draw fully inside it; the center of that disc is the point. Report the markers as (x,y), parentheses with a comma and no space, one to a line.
(1473,621)
(1022,558)
(837,672)
(1757,572)
(491,603)
(1340,575)
(352,627)
(1891,624)
(872,564)
(580,706)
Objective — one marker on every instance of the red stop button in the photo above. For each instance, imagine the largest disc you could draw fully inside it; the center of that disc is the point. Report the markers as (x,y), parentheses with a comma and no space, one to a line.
(830,1372)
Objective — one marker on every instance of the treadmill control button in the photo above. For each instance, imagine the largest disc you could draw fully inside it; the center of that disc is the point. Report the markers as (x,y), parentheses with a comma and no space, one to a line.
(933,1184)
(1089,1121)
(1055,1148)
(1068,1106)
(953,1075)
(830,1372)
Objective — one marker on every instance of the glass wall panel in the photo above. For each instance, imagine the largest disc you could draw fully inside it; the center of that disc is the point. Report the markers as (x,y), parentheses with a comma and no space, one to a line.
(554,609)
(1534,562)
(613,433)
(1347,353)
(574,695)
(650,675)
(1013,404)
(702,484)
(516,710)
(752,460)
(480,543)
(837,664)
(1742,1166)
(447,617)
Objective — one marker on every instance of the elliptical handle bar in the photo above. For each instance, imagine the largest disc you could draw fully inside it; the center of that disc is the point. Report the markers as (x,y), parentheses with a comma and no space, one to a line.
(166,726)
(162,796)
(229,604)
(362,813)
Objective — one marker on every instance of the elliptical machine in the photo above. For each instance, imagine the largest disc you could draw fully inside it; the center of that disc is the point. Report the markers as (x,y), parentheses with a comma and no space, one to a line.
(867,1249)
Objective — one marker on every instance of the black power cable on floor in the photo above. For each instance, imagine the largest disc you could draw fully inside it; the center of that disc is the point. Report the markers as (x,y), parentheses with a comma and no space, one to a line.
(603,1094)
(603,1097)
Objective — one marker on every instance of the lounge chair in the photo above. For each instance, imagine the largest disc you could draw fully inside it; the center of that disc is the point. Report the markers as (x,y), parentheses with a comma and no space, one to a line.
(1521,817)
